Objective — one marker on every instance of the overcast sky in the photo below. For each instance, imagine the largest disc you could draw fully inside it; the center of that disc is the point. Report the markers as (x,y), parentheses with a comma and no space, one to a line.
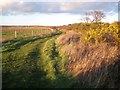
(47,12)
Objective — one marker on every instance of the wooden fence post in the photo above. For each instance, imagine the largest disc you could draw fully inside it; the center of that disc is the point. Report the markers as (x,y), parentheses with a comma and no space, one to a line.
(15,34)
(32,32)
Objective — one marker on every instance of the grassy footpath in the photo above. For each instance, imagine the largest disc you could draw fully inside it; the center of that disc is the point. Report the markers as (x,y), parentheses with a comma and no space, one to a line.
(36,63)
(52,62)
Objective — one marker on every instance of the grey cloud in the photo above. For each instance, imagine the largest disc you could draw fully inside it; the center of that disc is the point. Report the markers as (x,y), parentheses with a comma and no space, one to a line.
(58,7)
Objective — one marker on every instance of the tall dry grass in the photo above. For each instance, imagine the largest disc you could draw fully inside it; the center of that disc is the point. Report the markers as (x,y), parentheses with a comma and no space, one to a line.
(92,63)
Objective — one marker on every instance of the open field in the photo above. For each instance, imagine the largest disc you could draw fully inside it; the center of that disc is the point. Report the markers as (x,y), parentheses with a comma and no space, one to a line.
(21,32)
(34,62)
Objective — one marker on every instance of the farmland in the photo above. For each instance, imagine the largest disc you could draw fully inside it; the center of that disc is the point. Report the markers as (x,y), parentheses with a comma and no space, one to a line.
(37,57)
(11,32)
(34,61)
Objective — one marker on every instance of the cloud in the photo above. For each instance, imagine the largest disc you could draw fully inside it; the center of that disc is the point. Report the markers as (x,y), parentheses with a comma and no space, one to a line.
(69,6)
(58,13)
(21,7)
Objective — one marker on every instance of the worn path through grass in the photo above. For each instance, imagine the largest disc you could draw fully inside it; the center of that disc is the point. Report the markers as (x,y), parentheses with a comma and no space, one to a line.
(29,66)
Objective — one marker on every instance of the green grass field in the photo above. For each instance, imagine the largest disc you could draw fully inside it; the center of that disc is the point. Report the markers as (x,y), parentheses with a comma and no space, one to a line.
(23,32)
(34,62)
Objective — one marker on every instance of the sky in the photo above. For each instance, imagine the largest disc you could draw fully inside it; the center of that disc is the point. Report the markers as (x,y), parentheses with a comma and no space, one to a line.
(53,12)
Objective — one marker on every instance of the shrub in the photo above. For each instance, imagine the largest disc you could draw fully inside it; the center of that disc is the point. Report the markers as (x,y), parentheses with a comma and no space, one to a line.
(102,33)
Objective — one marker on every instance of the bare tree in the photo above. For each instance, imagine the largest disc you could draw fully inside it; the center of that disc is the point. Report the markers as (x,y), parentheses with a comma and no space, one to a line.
(86,17)
(97,16)
(93,16)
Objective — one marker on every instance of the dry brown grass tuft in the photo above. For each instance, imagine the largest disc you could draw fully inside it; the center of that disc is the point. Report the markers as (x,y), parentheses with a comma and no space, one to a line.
(69,37)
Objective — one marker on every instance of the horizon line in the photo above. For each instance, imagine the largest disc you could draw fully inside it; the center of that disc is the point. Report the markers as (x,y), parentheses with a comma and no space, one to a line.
(52,25)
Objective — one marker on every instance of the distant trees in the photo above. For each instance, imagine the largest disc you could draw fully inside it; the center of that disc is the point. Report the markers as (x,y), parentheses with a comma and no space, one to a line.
(93,16)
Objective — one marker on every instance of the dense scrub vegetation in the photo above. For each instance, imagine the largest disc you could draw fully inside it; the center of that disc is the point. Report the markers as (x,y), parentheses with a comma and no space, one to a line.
(99,32)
